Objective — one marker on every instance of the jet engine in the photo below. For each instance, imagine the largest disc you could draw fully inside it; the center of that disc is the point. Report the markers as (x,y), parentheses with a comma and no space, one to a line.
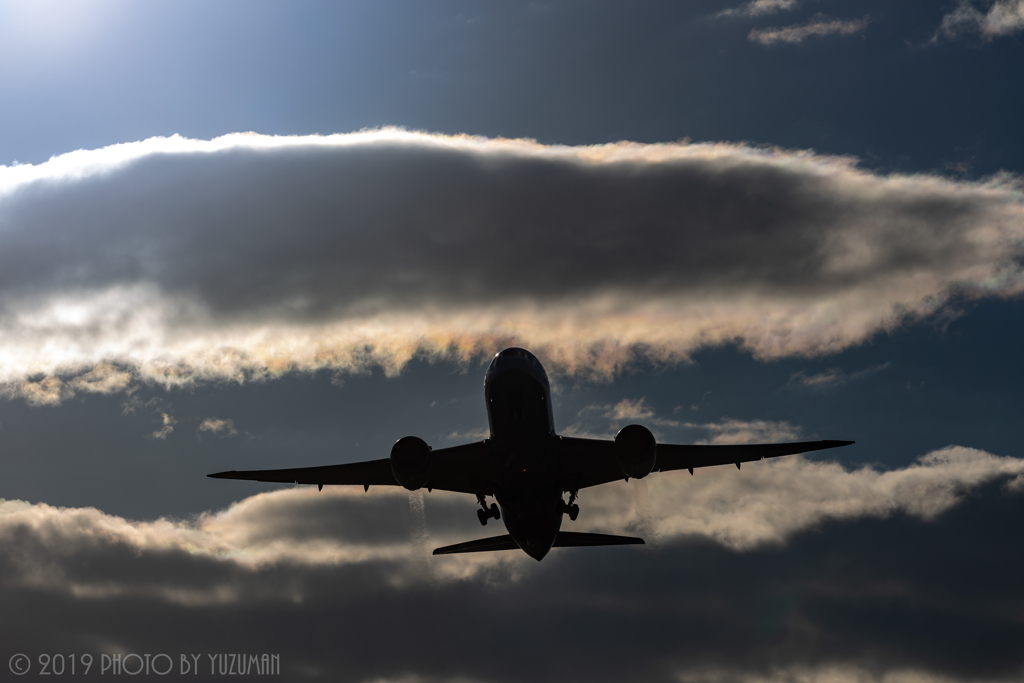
(411,462)
(635,451)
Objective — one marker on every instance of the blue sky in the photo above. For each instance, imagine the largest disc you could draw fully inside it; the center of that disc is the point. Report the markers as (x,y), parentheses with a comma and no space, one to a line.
(763,221)
(567,73)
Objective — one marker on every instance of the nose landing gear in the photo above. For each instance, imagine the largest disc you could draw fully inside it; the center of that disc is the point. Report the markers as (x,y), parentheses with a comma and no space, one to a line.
(485,513)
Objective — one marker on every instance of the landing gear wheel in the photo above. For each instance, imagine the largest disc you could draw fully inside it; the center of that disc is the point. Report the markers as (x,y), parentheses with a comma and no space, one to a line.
(574,511)
(483,516)
(495,512)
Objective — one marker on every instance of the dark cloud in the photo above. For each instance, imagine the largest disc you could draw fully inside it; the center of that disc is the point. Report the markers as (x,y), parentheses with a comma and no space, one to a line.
(250,255)
(850,600)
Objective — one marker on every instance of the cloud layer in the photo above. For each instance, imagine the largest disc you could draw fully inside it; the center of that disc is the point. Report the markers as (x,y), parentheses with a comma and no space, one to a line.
(765,503)
(333,572)
(177,260)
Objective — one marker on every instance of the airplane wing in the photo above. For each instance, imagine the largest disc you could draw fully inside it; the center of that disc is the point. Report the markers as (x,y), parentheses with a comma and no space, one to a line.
(590,462)
(461,468)
(583,463)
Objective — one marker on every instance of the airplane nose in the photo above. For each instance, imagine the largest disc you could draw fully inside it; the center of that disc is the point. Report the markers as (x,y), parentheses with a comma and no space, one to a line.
(516,358)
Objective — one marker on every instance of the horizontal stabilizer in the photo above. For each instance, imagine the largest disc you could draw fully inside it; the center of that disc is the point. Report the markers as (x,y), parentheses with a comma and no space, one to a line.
(565,539)
(480,545)
(571,539)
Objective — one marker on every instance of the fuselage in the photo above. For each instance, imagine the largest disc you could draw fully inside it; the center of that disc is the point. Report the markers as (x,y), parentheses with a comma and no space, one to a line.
(523,443)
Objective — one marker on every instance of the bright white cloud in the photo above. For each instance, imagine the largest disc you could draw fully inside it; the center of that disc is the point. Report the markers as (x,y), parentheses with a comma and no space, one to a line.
(179,261)
(816,28)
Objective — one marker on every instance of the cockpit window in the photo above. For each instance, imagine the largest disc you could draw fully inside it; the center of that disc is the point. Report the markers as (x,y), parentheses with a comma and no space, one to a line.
(517,358)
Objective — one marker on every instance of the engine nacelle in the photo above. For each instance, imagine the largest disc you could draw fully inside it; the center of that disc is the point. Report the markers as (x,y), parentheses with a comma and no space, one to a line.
(411,462)
(635,451)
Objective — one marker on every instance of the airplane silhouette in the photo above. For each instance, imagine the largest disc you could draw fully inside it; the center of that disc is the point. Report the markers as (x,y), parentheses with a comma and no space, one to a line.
(525,465)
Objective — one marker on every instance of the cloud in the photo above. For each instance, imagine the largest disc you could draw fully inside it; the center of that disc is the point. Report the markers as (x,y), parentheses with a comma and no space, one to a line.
(730,431)
(815,29)
(179,261)
(830,377)
(758,8)
(59,548)
(630,410)
(786,495)
(477,434)
(833,377)
(101,378)
(765,503)
(1003,18)
(218,427)
(167,421)
(336,572)
(603,421)
(47,391)
(836,673)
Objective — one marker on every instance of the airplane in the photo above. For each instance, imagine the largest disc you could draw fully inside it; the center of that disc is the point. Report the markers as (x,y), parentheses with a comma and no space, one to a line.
(525,465)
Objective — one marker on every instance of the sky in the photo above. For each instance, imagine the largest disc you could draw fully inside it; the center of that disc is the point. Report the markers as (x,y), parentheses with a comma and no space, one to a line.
(246,235)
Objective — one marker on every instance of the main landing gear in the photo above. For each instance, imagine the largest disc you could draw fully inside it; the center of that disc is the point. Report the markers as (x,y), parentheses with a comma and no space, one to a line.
(571,508)
(485,513)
